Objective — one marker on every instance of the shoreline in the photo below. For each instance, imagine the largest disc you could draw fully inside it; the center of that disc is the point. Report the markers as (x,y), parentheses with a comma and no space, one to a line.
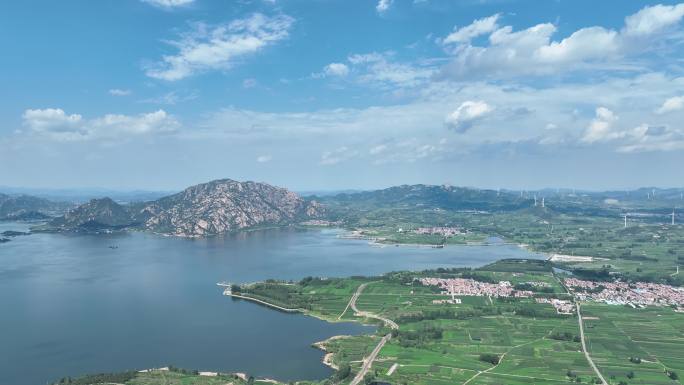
(228,293)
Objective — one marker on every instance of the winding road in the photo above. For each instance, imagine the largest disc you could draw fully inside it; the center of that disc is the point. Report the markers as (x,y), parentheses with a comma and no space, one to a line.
(368,361)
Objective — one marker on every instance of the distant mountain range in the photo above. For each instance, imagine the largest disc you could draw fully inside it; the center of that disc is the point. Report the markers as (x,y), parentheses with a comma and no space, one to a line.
(213,208)
(225,205)
(26,207)
(82,195)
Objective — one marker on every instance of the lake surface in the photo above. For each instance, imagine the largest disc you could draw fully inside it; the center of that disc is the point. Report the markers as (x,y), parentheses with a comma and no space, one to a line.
(72,305)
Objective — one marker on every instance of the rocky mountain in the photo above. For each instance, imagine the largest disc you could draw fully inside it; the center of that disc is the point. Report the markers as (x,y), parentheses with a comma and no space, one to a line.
(223,206)
(212,208)
(26,207)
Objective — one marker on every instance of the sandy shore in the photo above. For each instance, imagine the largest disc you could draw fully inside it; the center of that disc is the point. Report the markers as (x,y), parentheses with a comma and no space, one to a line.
(328,357)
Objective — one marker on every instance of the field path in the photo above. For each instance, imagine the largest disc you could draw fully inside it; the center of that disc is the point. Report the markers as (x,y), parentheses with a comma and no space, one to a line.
(368,361)
(353,298)
(584,347)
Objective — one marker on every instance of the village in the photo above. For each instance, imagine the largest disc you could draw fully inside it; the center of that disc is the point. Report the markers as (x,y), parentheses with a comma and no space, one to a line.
(470,287)
(623,293)
(443,231)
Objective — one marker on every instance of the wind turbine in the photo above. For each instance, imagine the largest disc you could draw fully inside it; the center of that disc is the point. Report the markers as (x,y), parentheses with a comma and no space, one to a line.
(535,200)
(625,215)
(543,202)
(673,217)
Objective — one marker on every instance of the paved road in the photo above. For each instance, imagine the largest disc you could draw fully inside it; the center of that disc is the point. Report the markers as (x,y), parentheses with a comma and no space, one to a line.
(584,346)
(368,361)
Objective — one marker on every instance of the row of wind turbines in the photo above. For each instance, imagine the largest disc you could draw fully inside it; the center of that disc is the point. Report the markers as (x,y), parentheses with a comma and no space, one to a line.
(672,215)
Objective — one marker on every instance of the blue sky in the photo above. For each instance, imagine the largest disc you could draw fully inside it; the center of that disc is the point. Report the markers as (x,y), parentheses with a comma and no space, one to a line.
(320,95)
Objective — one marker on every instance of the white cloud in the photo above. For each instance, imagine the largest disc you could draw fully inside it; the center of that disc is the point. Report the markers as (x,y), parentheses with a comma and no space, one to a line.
(600,128)
(169,4)
(675,103)
(336,69)
(264,158)
(220,47)
(338,155)
(553,117)
(532,51)
(171,98)
(377,69)
(466,114)
(383,6)
(50,119)
(654,19)
(584,44)
(476,28)
(54,123)
(647,138)
(408,150)
(119,92)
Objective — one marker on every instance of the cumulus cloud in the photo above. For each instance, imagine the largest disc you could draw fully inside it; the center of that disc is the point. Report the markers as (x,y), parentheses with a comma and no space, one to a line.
(532,51)
(463,118)
(169,4)
(220,47)
(54,123)
(675,103)
(119,92)
(50,119)
(600,128)
(477,28)
(654,19)
(383,6)
(264,158)
(336,69)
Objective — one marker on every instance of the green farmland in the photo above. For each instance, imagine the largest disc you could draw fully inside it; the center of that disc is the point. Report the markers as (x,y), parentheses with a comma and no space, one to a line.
(446,343)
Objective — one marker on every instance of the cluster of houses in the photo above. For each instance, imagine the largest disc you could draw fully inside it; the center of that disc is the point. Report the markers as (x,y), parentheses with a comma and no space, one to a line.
(562,306)
(443,231)
(471,287)
(623,293)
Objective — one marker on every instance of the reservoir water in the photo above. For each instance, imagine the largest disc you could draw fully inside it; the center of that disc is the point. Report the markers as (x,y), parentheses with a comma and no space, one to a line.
(71,304)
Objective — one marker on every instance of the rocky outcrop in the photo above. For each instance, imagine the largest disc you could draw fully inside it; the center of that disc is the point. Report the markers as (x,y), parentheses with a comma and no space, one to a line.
(222,206)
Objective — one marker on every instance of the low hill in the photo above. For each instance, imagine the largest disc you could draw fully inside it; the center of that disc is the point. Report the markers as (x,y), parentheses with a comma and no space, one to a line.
(27,207)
